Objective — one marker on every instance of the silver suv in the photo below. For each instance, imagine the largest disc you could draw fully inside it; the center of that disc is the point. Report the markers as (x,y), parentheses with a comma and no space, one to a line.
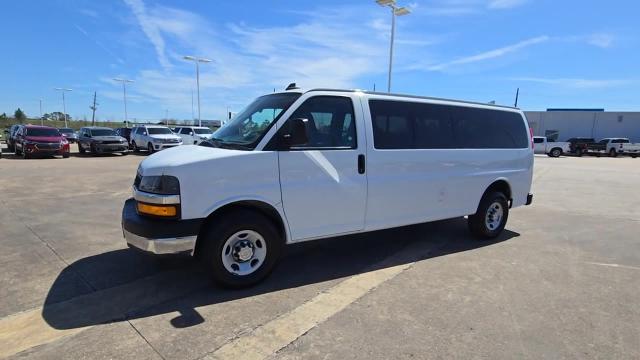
(153,138)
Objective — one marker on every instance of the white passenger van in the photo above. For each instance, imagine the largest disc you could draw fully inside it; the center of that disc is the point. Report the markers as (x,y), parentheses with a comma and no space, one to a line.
(297,166)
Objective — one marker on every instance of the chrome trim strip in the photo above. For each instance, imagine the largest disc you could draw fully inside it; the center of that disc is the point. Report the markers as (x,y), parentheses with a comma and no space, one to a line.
(161,246)
(155,198)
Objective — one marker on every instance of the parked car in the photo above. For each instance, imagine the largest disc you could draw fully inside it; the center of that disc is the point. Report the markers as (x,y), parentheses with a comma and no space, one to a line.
(125,132)
(194,134)
(578,145)
(34,140)
(69,134)
(11,138)
(613,147)
(328,162)
(100,140)
(153,138)
(551,148)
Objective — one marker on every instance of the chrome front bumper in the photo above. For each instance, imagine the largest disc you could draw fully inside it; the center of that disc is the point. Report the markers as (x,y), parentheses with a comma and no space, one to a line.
(161,246)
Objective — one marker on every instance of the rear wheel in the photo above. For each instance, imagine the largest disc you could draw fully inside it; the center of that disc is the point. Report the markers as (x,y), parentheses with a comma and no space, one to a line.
(613,153)
(491,217)
(240,249)
(65,155)
(555,152)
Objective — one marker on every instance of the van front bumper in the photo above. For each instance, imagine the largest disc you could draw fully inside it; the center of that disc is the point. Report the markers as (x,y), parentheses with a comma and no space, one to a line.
(158,236)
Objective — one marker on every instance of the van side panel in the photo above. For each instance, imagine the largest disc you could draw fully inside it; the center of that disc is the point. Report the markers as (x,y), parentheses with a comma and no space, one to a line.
(408,186)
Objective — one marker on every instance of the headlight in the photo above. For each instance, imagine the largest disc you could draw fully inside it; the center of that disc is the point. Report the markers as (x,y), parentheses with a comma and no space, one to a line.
(164,185)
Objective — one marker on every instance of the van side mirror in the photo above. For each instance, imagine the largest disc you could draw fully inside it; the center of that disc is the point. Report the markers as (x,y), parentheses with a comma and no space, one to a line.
(298,133)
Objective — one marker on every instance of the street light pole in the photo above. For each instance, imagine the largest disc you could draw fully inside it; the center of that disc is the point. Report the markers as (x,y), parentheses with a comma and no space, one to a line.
(395,11)
(198,60)
(64,105)
(124,95)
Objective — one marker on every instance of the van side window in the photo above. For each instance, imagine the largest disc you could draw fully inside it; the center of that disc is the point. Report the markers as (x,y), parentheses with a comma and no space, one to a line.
(185,131)
(331,122)
(407,125)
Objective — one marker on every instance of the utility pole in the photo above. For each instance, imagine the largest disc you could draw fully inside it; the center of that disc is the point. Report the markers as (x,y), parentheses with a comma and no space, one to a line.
(41,119)
(94,107)
(64,105)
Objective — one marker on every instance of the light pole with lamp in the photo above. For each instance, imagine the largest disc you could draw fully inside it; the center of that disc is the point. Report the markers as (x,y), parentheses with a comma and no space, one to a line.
(124,94)
(198,60)
(395,11)
(64,105)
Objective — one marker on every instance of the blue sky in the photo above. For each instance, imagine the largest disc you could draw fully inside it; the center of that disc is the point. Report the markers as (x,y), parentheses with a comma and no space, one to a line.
(560,53)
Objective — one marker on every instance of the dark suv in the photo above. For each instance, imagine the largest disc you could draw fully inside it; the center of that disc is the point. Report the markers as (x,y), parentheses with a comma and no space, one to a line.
(125,133)
(100,140)
(11,137)
(578,145)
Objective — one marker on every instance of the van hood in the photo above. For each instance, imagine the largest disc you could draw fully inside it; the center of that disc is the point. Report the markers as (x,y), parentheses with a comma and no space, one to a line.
(108,138)
(158,163)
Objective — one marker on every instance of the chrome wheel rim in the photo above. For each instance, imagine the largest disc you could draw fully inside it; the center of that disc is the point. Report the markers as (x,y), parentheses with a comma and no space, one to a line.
(244,252)
(493,218)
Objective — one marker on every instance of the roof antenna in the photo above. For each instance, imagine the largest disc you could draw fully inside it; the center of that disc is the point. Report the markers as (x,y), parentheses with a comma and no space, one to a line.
(517,95)
(292,86)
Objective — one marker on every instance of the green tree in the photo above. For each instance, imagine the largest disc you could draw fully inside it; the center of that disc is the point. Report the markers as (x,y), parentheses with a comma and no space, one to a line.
(20,116)
(3,116)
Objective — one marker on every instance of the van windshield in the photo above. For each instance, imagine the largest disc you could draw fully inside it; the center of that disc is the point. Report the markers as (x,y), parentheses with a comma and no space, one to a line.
(248,127)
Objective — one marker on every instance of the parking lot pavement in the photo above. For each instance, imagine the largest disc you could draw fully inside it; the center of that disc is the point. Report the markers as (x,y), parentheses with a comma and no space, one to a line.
(562,281)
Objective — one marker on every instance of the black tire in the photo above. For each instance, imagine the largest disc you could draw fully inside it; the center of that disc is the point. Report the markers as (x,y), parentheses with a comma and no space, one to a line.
(16,151)
(578,152)
(477,224)
(613,152)
(135,147)
(212,239)
(634,156)
(81,150)
(93,150)
(65,155)
(150,148)
(124,153)
(11,148)
(555,152)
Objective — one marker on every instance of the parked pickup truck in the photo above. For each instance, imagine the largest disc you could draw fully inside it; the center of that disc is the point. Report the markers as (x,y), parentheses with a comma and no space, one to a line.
(554,149)
(614,147)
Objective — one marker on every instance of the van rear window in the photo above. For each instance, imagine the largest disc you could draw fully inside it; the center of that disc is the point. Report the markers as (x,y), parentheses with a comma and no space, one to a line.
(409,125)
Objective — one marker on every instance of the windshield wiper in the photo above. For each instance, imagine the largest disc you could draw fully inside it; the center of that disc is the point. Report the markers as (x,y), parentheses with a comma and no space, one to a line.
(227,144)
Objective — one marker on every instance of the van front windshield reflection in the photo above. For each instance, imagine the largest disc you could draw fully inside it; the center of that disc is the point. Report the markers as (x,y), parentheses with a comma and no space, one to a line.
(249,126)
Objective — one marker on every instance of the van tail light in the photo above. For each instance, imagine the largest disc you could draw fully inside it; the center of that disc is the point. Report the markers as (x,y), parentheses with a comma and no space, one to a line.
(531,133)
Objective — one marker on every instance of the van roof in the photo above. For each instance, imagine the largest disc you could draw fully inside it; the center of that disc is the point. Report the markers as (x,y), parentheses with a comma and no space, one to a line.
(414,97)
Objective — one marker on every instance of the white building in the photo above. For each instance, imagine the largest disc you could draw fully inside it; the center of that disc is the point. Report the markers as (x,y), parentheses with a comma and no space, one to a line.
(562,124)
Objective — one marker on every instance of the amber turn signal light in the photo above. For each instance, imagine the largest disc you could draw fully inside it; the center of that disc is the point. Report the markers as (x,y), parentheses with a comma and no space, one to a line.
(157,210)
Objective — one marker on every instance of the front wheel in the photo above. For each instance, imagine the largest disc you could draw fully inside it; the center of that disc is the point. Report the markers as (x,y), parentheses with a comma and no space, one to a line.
(613,153)
(241,249)
(491,217)
(81,150)
(579,152)
(134,146)
(150,148)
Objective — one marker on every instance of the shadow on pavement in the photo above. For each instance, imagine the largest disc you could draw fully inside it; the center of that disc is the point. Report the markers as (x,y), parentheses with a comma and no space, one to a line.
(125,284)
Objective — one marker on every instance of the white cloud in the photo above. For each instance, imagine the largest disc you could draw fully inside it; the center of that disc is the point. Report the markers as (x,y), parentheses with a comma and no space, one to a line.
(577,83)
(505,4)
(602,40)
(151,27)
(323,49)
(491,54)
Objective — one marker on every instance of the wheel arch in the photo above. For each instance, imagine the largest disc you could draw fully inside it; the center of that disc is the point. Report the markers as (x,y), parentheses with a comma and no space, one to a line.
(262,207)
(501,185)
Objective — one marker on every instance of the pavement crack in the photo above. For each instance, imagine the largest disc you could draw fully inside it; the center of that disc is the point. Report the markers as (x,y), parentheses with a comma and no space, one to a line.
(146,340)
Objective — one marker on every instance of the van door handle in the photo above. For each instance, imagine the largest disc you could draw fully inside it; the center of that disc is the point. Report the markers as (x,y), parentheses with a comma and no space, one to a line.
(361,167)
